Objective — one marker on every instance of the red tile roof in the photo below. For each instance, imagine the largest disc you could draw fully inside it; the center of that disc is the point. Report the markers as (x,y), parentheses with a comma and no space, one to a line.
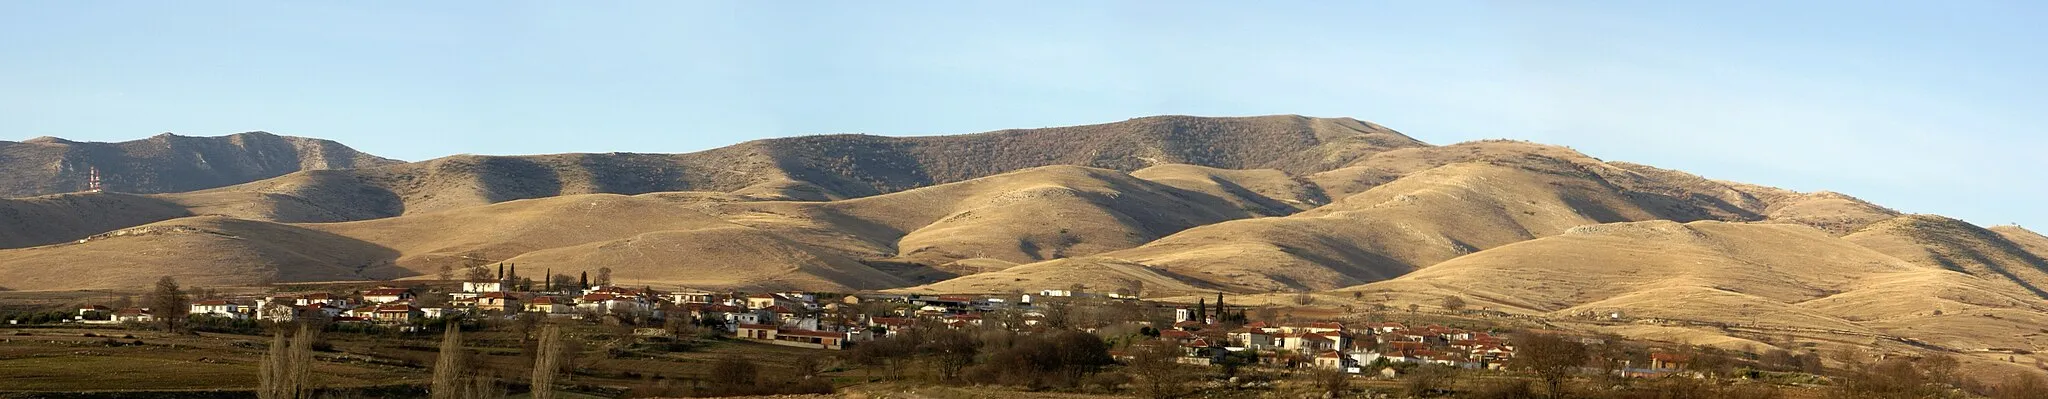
(810,333)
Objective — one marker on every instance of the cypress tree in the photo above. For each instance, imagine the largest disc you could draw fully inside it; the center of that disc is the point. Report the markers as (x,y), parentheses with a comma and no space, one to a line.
(585,282)
(1201,309)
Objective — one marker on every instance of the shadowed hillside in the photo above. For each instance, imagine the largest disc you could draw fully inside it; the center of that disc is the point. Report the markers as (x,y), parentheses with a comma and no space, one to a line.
(816,168)
(1951,244)
(167,163)
(26,222)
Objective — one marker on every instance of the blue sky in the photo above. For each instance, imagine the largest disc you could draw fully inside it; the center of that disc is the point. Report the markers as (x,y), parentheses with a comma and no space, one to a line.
(1929,108)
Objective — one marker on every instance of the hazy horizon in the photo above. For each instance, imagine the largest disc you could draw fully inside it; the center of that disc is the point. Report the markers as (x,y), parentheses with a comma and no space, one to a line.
(1927,109)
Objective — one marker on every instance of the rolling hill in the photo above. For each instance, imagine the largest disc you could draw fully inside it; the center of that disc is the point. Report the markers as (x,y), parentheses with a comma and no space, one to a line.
(50,219)
(834,167)
(199,251)
(1418,207)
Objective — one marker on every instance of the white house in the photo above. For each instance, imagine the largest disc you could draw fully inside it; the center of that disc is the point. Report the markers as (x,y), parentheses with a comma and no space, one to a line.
(321,298)
(483,287)
(439,312)
(133,315)
(94,313)
(689,297)
(217,308)
(387,295)
(764,301)
(748,317)
(1363,358)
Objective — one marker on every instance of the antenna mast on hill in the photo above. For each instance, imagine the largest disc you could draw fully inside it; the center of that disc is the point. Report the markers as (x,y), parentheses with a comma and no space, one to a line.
(92,183)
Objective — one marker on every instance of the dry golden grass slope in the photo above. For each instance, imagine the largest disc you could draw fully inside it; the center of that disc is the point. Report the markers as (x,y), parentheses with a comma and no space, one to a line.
(502,231)
(645,239)
(1030,215)
(2032,242)
(1266,191)
(663,238)
(199,251)
(721,257)
(58,218)
(1776,276)
(1511,192)
(1947,243)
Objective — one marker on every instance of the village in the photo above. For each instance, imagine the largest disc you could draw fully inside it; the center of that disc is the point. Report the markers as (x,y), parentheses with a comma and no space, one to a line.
(1207,333)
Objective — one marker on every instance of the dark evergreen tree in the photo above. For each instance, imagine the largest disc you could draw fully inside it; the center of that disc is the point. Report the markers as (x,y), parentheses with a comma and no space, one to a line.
(584,283)
(1201,309)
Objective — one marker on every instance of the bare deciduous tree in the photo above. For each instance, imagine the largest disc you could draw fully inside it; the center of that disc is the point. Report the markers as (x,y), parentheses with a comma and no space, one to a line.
(478,274)
(168,304)
(449,370)
(1552,358)
(287,371)
(1454,303)
(547,362)
(1156,366)
(1331,382)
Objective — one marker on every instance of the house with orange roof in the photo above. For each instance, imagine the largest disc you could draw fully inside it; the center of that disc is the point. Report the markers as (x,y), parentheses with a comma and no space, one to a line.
(550,305)
(396,313)
(499,302)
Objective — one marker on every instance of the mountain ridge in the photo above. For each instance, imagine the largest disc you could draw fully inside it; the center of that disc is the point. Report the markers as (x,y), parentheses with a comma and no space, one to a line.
(167,162)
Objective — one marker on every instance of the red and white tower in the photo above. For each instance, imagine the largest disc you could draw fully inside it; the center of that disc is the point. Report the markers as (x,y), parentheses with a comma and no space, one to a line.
(92,183)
